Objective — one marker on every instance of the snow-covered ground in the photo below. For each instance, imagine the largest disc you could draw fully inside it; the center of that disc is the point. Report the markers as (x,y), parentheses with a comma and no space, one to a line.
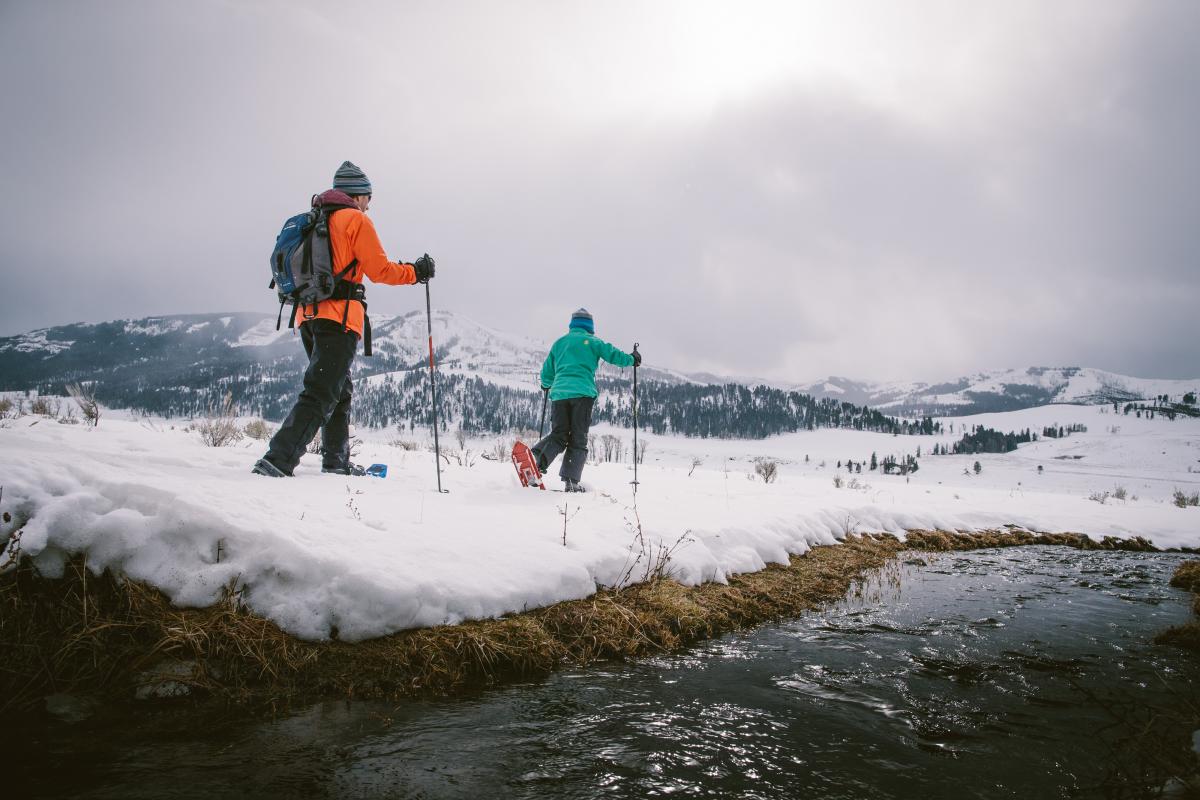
(145,497)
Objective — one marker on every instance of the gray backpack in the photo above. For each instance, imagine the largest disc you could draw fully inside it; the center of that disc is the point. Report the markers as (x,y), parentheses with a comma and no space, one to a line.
(302,270)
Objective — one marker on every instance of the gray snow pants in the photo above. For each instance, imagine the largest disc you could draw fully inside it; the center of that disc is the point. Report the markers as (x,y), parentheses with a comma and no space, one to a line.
(570,421)
(324,401)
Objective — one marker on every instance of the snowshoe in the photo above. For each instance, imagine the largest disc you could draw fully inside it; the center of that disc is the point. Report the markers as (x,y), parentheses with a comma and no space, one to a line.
(264,467)
(346,469)
(527,468)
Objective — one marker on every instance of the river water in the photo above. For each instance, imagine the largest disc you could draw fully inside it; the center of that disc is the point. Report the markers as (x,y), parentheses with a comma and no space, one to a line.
(1020,672)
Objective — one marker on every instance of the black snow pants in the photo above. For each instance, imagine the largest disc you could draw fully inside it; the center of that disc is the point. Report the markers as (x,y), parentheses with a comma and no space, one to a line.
(570,421)
(324,401)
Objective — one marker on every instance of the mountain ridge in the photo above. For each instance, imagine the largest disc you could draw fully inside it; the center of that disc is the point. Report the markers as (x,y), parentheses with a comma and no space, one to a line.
(180,352)
(999,390)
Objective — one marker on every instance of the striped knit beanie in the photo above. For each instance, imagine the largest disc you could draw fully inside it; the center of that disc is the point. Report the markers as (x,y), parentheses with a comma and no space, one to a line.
(351,180)
(583,320)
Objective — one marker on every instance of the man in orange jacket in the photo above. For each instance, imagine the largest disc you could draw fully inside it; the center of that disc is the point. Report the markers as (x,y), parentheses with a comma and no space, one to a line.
(331,330)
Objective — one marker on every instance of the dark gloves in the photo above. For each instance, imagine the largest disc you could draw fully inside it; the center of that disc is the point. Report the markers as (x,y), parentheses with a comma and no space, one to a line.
(424,267)
(637,358)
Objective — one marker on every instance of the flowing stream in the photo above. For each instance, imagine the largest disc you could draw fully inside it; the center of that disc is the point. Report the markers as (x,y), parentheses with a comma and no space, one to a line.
(1023,672)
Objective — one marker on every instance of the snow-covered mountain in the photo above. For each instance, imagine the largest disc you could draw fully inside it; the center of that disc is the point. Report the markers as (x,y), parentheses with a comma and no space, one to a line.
(1000,390)
(77,352)
(173,364)
(184,365)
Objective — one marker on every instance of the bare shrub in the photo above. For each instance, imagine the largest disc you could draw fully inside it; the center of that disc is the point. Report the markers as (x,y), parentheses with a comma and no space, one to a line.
(1099,497)
(405,444)
(84,396)
(647,561)
(1184,500)
(567,517)
(1119,493)
(613,447)
(43,407)
(501,449)
(464,456)
(258,429)
(640,455)
(695,463)
(68,417)
(838,481)
(219,428)
(6,407)
(767,469)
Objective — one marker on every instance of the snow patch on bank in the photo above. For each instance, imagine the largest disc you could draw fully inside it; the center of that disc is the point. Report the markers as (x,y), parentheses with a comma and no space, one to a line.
(368,557)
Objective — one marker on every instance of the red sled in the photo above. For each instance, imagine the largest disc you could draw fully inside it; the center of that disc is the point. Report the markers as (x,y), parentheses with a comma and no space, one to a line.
(527,468)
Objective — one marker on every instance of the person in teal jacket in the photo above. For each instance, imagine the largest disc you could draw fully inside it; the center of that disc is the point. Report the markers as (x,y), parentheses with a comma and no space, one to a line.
(569,375)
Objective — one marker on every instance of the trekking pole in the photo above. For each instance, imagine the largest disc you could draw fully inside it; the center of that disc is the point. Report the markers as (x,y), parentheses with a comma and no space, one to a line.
(542,424)
(635,448)
(437,451)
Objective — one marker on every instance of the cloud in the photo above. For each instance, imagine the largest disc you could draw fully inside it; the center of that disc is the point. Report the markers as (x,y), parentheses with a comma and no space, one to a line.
(1035,209)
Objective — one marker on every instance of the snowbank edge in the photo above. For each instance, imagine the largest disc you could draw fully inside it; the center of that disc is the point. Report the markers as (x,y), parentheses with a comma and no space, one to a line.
(123,639)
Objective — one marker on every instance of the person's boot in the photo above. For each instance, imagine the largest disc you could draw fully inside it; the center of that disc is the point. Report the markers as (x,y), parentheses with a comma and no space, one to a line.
(344,469)
(264,467)
(572,486)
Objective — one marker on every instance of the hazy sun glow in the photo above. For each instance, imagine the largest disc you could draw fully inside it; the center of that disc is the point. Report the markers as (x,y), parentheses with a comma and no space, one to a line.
(927,61)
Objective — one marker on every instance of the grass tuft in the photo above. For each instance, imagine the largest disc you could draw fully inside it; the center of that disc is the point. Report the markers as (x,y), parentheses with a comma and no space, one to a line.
(1187,635)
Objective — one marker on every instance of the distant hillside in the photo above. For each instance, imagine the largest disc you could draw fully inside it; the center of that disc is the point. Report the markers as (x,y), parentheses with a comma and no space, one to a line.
(1000,390)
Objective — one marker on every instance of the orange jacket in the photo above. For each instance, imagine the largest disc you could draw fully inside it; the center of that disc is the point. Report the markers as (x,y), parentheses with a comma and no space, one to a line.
(353,236)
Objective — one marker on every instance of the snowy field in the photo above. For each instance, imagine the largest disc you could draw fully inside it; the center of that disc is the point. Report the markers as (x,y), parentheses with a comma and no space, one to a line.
(371,556)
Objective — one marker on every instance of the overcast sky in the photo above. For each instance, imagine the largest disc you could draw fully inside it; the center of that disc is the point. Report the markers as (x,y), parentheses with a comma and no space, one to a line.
(789,190)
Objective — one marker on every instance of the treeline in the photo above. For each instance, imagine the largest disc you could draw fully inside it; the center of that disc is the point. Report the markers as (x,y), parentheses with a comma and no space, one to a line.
(1163,407)
(401,399)
(1060,432)
(986,440)
(708,411)
(740,412)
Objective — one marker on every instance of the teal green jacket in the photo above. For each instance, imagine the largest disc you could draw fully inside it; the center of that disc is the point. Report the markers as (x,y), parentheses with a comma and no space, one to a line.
(570,368)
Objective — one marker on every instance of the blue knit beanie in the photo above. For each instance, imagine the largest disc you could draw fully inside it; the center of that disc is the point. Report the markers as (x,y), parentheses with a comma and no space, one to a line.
(583,320)
(351,180)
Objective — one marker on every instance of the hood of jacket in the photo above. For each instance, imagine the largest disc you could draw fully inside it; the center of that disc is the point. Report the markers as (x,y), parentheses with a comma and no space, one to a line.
(334,197)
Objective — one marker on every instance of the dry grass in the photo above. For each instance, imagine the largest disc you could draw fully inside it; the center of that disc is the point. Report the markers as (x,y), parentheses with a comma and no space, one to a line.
(1187,635)
(1187,576)
(84,395)
(98,633)
(259,429)
(943,540)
